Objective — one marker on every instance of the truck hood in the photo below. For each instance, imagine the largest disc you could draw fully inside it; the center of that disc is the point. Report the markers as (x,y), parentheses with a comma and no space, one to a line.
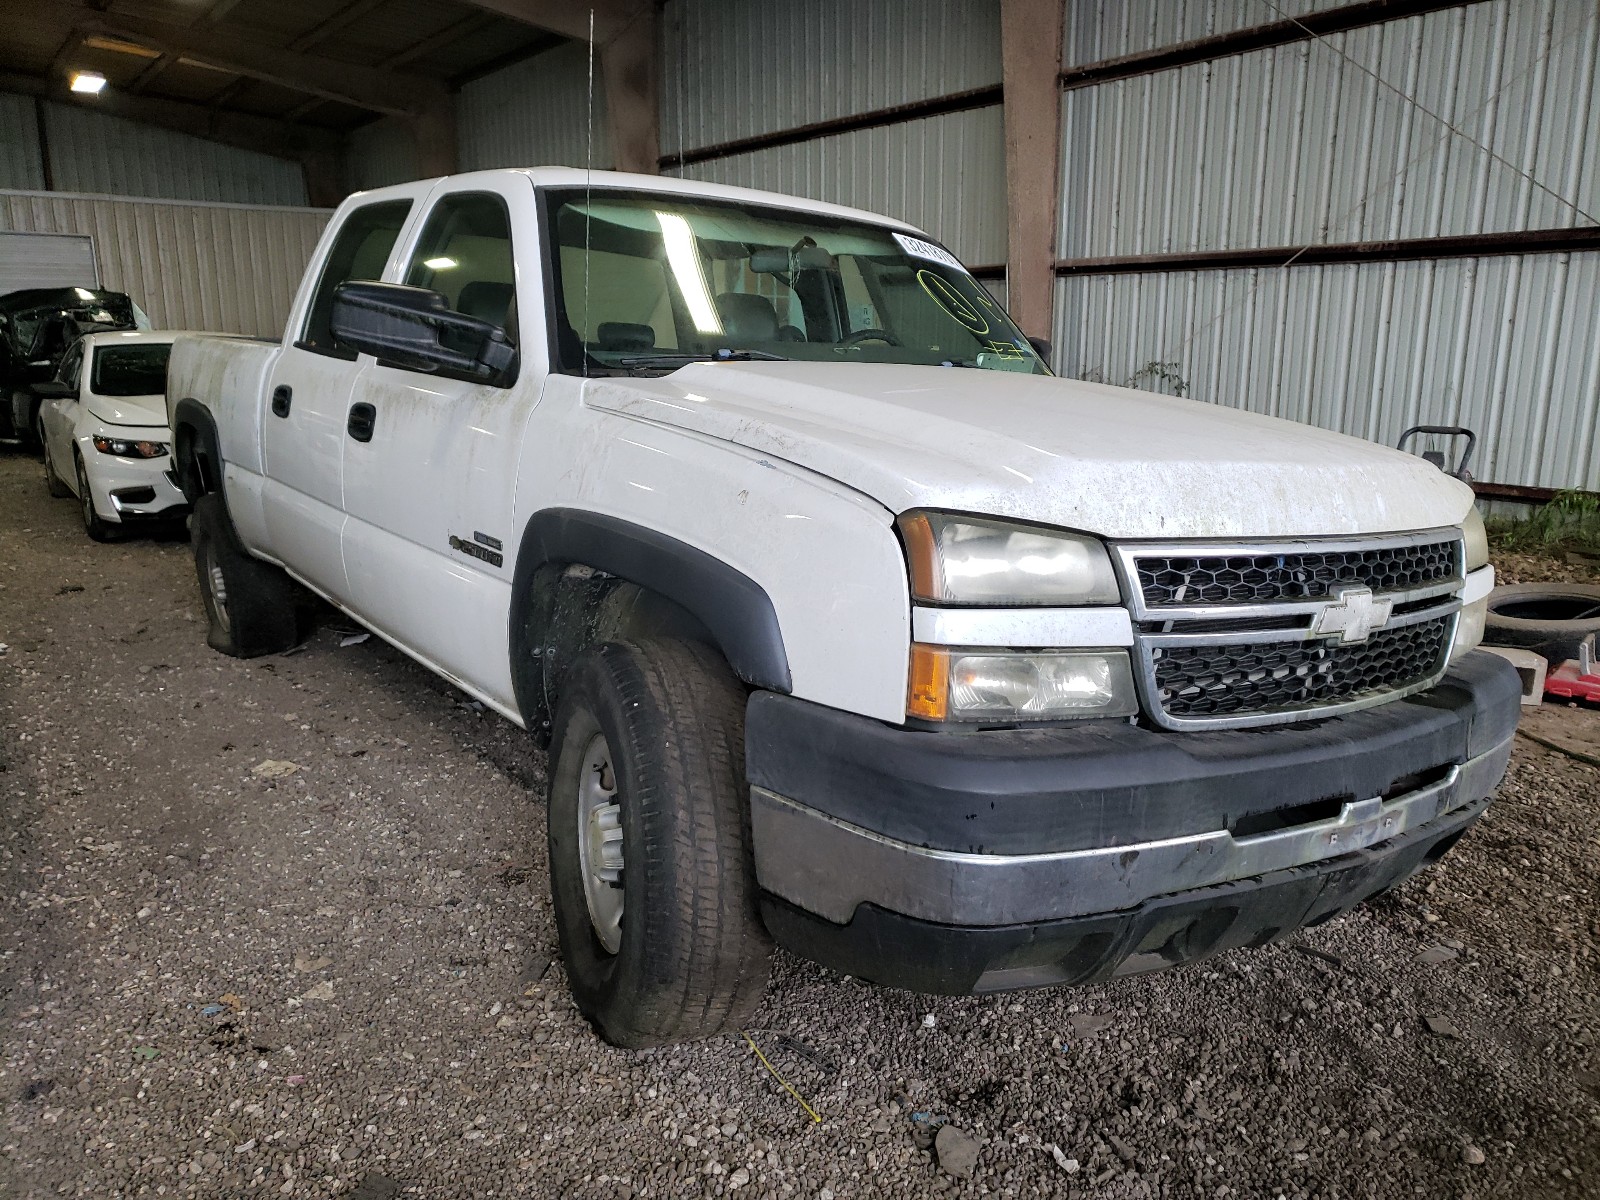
(1106,460)
(144,411)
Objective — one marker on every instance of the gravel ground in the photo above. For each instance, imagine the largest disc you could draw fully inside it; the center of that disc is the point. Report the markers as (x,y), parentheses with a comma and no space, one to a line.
(336,982)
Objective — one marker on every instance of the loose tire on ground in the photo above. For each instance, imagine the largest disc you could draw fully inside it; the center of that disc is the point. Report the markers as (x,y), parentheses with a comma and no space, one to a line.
(691,956)
(252,607)
(53,483)
(1550,619)
(98,530)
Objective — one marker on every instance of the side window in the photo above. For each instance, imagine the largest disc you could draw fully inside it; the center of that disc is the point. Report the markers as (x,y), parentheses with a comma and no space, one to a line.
(72,366)
(464,254)
(359,251)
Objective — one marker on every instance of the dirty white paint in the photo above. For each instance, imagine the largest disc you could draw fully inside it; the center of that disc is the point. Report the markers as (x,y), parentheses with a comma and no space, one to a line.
(1110,461)
(789,472)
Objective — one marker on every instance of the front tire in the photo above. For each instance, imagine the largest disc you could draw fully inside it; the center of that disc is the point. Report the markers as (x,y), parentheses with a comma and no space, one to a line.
(98,530)
(650,862)
(252,608)
(53,483)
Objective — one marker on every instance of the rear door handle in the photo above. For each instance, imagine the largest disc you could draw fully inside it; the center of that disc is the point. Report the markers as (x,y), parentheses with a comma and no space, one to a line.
(362,418)
(282,395)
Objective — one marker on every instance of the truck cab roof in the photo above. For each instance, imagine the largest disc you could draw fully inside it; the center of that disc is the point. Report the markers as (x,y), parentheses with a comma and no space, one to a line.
(573,177)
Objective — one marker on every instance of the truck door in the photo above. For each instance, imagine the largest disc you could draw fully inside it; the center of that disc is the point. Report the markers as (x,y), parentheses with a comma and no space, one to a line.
(308,391)
(430,462)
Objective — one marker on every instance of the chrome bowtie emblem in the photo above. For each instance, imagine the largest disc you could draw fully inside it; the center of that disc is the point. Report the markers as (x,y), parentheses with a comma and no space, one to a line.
(1353,615)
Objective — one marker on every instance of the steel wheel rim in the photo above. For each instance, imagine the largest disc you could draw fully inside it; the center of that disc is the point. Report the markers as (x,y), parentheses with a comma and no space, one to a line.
(84,497)
(218,587)
(600,842)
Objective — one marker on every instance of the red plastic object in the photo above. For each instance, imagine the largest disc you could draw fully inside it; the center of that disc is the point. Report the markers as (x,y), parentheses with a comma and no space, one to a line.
(1566,683)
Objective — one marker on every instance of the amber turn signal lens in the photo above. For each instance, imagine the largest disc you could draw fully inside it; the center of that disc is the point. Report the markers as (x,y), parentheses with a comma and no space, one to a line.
(928,692)
(922,556)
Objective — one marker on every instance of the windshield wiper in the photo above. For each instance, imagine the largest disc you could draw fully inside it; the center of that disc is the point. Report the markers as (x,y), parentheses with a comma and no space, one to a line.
(723,355)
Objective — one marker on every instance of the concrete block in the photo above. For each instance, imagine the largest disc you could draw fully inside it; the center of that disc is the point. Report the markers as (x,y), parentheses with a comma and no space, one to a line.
(1530,666)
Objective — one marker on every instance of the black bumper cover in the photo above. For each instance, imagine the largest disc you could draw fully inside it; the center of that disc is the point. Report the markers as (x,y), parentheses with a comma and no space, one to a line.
(1108,785)
(959,960)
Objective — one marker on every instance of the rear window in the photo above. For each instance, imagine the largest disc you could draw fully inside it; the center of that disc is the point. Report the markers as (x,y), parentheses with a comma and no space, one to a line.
(131,370)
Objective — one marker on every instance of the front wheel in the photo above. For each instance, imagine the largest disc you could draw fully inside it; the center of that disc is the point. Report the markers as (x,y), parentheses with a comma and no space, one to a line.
(54,484)
(650,863)
(252,608)
(99,530)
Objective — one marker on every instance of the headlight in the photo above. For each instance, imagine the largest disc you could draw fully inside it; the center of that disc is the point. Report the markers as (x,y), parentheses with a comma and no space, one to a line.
(969,560)
(1050,685)
(1476,539)
(126,449)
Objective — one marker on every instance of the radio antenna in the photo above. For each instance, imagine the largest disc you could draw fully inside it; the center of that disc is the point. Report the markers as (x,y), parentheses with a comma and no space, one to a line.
(588,204)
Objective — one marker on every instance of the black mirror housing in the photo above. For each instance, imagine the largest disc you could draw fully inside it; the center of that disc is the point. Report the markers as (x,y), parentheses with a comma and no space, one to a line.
(54,389)
(1041,347)
(416,328)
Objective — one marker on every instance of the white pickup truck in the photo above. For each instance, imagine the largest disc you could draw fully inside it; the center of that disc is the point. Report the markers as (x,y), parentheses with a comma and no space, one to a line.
(850,626)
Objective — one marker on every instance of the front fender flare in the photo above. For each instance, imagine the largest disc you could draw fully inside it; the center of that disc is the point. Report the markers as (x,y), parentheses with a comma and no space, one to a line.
(192,416)
(734,608)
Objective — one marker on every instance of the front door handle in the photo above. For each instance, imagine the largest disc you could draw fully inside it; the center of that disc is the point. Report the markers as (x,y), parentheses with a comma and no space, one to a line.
(282,395)
(362,418)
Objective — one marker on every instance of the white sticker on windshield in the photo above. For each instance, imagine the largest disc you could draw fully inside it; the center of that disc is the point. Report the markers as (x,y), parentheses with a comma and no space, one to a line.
(922,249)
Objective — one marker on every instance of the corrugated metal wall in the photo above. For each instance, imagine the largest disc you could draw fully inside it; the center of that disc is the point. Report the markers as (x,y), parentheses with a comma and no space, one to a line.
(222,267)
(534,114)
(1100,29)
(903,170)
(92,152)
(1508,346)
(735,70)
(732,69)
(20,165)
(381,153)
(1315,142)
(1302,143)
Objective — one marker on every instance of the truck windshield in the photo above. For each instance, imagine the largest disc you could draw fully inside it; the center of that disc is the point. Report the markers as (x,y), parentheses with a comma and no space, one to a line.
(653,281)
(139,370)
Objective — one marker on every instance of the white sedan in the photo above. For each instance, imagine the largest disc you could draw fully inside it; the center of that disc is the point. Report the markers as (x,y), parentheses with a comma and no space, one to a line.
(106,439)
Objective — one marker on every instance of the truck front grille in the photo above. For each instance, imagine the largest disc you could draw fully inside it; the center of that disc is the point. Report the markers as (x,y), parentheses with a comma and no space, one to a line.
(1258,633)
(1254,578)
(1297,676)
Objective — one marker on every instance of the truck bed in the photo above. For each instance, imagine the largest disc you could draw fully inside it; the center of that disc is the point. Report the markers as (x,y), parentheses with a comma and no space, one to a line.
(227,374)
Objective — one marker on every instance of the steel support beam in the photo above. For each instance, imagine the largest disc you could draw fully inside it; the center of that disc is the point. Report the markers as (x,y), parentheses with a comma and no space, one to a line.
(435,133)
(897,114)
(451,33)
(1257,37)
(1465,245)
(566,18)
(630,68)
(1030,56)
(364,87)
(246,132)
(324,175)
(627,42)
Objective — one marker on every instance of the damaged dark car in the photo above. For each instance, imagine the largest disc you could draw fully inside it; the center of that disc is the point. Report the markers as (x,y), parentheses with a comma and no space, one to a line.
(37,328)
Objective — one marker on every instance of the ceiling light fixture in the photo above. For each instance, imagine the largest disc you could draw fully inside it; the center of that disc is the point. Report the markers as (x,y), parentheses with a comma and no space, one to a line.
(88,82)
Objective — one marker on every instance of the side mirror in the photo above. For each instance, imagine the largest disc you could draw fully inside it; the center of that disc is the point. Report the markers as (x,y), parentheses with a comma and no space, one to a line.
(54,389)
(414,327)
(1041,347)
